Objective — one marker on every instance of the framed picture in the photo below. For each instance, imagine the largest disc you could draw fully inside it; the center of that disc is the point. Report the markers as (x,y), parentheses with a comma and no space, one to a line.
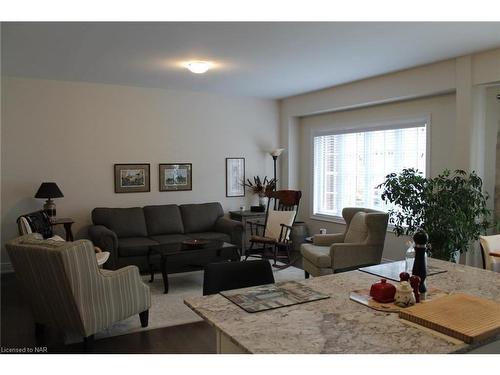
(176,177)
(132,178)
(235,175)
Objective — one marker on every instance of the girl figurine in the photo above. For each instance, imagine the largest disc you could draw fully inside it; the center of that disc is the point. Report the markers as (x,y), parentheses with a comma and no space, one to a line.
(404,295)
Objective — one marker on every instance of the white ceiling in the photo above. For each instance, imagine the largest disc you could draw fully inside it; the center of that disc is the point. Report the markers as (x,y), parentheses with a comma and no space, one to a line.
(270,60)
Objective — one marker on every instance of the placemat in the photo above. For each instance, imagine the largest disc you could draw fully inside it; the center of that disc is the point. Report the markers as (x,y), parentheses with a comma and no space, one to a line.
(272,296)
(392,270)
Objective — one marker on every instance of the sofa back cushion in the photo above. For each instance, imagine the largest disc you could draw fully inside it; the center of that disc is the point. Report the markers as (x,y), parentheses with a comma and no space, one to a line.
(200,217)
(164,219)
(125,222)
(357,231)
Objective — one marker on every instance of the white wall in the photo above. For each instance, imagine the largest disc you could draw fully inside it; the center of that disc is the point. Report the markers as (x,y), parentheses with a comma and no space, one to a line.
(440,109)
(73,133)
(492,119)
(404,85)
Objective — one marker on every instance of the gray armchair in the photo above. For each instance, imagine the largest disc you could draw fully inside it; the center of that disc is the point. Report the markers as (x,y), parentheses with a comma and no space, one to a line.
(67,290)
(361,244)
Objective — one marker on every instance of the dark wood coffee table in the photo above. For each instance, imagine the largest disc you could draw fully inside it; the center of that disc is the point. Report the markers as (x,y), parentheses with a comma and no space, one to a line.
(181,253)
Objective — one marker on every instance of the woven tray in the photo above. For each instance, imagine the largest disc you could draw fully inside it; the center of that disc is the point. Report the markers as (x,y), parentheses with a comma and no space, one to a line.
(362,296)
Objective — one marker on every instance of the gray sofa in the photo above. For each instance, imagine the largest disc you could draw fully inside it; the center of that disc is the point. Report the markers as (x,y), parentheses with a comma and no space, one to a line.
(127,233)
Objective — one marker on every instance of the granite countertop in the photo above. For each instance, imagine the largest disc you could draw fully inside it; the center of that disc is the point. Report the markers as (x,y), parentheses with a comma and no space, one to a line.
(339,325)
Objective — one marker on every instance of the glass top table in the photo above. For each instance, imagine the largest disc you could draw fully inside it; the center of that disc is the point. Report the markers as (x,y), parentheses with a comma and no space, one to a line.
(185,254)
(392,270)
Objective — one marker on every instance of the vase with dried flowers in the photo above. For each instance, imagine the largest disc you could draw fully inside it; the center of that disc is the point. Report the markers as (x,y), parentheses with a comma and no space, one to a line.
(260,187)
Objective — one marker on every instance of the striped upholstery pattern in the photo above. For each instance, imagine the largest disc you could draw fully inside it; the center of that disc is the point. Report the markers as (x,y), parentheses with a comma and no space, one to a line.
(67,289)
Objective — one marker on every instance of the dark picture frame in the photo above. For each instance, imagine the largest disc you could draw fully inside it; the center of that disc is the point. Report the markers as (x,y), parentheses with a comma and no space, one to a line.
(132,178)
(175,176)
(235,176)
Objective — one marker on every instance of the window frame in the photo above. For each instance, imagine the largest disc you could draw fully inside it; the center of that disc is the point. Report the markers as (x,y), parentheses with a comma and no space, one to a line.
(395,123)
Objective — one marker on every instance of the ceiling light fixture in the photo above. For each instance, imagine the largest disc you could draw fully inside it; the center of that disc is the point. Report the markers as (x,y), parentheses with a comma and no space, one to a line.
(198,67)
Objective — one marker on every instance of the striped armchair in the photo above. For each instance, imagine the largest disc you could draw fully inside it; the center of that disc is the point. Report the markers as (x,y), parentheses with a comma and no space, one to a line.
(67,290)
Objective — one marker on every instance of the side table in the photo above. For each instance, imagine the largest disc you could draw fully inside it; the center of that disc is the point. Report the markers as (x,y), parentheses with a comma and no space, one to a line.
(67,223)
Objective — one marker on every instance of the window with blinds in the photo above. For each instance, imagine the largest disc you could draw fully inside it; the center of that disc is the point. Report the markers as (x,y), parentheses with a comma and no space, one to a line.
(349,165)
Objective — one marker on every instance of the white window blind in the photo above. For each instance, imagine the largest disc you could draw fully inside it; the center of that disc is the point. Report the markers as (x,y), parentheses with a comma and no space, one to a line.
(348,166)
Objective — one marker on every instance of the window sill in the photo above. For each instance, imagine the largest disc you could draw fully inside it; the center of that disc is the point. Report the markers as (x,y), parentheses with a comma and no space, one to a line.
(340,220)
(328,218)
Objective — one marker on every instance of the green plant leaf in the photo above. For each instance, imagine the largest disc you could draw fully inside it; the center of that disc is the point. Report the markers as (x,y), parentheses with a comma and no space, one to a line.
(450,207)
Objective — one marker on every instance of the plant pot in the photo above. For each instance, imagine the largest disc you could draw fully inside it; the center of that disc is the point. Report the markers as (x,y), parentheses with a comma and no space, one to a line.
(263,201)
(298,235)
(437,253)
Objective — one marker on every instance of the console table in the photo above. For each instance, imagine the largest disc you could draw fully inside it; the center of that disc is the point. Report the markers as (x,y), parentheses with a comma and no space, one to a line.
(337,324)
(244,216)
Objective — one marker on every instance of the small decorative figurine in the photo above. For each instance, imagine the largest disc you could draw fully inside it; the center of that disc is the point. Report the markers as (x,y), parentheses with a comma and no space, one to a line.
(420,265)
(415,284)
(383,291)
(404,276)
(404,296)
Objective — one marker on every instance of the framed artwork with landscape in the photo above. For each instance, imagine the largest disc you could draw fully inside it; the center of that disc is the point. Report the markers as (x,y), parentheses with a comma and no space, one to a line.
(176,177)
(235,176)
(132,178)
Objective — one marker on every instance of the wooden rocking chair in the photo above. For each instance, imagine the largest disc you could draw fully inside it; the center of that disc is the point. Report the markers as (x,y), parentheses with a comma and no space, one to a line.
(272,239)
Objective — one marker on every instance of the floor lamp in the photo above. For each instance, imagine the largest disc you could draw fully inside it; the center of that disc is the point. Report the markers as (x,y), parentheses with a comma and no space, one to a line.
(275,153)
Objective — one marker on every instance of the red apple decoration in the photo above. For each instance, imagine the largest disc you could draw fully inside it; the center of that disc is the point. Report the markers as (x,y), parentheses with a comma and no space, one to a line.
(383,292)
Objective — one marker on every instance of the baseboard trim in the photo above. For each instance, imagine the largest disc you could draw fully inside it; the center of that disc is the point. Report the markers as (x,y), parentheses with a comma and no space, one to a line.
(6,268)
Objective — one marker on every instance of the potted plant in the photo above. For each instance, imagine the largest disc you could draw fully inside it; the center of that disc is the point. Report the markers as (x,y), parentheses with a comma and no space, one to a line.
(451,208)
(260,187)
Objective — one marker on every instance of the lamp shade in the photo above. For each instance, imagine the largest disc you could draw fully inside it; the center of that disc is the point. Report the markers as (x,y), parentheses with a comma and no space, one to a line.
(277,152)
(49,190)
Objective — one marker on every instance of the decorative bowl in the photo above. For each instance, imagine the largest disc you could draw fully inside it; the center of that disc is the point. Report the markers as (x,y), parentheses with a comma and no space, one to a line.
(194,243)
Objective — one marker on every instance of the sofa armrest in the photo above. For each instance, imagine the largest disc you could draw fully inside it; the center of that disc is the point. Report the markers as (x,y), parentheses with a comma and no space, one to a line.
(106,240)
(328,239)
(353,255)
(232,228)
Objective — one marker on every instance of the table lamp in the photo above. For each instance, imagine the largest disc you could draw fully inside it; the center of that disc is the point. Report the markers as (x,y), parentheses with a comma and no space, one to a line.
(49,190)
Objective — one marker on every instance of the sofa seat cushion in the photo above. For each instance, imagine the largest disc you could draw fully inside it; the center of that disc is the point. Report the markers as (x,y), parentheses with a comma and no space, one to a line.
(213,236)
(170,238)
(125,222)
(200,217)
(164,219)
(134,246)
(317,255)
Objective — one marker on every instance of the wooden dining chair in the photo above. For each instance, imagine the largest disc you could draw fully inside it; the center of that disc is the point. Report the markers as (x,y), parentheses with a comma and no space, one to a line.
(222,276)
(490,252)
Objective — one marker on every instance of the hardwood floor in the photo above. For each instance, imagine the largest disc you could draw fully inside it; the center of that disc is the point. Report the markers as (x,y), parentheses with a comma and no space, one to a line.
(18,331)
